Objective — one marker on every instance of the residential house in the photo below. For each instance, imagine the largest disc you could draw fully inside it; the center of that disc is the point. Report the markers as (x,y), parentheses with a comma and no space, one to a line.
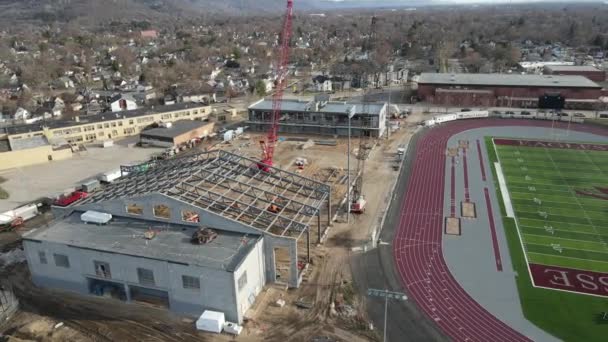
(122,102)
(322,83)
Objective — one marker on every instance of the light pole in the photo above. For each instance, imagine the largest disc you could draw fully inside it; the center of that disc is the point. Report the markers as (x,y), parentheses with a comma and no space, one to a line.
(351,113)
(386,294)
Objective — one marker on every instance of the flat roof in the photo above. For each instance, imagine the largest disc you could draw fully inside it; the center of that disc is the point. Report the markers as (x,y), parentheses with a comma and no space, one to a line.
(124,235)
(508,80)
(586,68)
(177,128)
(331,107)
(101,117)
(27,143)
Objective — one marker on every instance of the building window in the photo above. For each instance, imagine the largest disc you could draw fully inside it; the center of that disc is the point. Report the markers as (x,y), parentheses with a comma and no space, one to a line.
(190,216)
(100,134)
(192,283)
(145,276)
(130,122)
(162,211)
(242,280)
(61,260)
(113,124)
(102,269)
(120,123)
(99,126)
(42,257)
(135,209)
(106,125)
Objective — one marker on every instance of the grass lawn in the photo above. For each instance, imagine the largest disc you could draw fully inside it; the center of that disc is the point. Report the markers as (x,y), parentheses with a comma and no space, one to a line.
(568,316)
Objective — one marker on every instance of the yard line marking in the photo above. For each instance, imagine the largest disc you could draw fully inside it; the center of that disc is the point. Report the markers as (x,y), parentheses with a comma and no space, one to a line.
(593,162)
(559,238)
(577,201)
(567,257)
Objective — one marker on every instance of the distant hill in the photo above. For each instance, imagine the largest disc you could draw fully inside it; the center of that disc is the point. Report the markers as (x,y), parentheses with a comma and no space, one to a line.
(103,10)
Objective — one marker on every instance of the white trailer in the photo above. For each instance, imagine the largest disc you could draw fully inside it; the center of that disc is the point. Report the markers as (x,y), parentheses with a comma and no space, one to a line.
(110,176)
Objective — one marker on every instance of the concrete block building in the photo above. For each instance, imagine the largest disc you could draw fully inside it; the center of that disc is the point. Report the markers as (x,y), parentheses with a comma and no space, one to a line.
(321,116)
(176,133)
(145,253)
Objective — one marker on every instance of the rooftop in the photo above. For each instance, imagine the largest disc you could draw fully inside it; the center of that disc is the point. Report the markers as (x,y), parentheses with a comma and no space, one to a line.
(177,128)
(508,80)
(585,68)
(124,235)
(228,185)
(331,107)
(27,143)
(101,117)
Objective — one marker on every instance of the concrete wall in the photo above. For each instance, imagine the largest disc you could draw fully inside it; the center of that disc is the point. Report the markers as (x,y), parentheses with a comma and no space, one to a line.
(256,269)
(31,156)
(217,290)
(207,218)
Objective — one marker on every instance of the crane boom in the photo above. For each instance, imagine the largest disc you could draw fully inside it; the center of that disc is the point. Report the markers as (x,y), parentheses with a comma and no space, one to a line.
(269,145)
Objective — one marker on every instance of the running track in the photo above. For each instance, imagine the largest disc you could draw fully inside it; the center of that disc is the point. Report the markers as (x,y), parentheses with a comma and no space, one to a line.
(417,244)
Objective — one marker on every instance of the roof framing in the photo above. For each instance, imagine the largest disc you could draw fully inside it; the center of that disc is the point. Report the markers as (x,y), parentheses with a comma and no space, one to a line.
(229,185)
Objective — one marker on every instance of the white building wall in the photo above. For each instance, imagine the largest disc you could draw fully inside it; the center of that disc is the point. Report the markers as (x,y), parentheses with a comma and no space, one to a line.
(256,279)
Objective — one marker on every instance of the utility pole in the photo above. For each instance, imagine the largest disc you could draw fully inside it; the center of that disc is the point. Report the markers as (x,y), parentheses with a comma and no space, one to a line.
(386,294)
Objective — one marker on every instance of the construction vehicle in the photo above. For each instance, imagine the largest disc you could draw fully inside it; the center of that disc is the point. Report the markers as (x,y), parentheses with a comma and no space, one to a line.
(203,236)
(12,225)
(65,200)
(269,145)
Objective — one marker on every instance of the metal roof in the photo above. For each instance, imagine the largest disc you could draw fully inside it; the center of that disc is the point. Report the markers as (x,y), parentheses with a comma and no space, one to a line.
(27,143)
(229,185)
(583,68)
(508,80)
(331,107)
(177,128)
(125,235)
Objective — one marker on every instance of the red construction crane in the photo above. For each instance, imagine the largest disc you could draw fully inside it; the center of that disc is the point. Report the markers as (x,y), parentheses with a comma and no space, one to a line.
(268,146)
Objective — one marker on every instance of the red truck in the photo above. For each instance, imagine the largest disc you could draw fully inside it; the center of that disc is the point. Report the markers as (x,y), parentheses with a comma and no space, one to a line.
(65,200)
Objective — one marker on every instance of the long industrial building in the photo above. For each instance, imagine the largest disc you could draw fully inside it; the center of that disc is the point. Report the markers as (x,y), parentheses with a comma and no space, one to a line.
(198,232)
(506,89)
(321,116)
(36,143)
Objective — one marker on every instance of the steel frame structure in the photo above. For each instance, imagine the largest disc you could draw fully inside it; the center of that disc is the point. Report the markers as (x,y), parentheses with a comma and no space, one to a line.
(230,185)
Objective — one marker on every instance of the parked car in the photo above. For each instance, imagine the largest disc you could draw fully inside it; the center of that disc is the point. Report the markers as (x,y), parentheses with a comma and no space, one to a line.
(562,114)
(465,110)
(525,112)
(510,112)
(578,115)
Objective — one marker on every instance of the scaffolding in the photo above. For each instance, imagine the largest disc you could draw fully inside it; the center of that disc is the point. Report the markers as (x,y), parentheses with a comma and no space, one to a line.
(277,202)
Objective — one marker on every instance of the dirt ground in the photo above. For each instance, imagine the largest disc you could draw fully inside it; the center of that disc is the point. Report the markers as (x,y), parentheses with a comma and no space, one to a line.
(324,308)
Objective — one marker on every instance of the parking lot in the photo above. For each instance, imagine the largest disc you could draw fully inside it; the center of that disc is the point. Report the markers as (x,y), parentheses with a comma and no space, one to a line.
(29,183)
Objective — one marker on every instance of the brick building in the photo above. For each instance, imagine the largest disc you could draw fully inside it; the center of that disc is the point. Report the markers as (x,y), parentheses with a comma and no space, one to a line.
(516,90)
(592,73)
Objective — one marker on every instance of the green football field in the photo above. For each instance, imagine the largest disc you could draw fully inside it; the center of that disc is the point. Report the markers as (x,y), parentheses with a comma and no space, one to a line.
(560,199)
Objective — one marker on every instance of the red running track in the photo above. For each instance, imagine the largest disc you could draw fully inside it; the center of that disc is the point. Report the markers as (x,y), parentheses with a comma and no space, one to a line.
(493,230)
(467,197)
(417,244)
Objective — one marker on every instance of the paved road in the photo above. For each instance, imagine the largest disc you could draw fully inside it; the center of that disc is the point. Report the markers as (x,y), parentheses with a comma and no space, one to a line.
(376,269)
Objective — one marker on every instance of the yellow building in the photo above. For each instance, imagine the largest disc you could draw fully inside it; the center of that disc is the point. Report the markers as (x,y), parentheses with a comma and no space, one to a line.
(33,139)
(106,126)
